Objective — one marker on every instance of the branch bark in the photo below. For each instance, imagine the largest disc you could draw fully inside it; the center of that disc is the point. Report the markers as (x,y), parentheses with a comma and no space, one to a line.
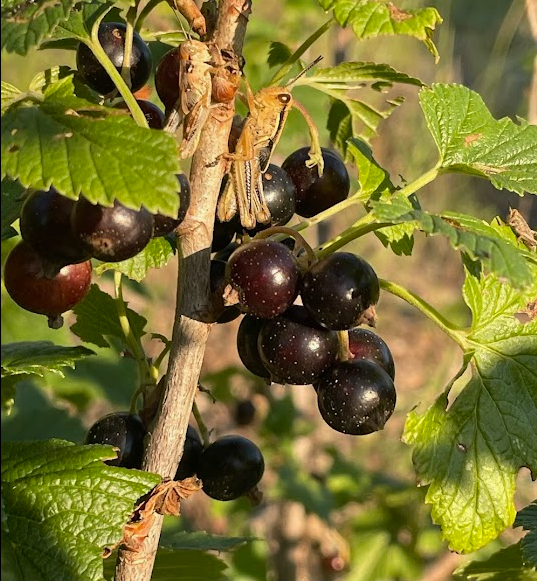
(167,435)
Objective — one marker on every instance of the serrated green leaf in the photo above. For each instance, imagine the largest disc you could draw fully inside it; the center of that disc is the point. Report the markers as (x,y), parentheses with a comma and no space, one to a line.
(64,506)
(355,72)
(79,147)
(504,565)
(12,200)
(471,141)
(155,255)
(278,54)
(10,94)
(48,77)
(371,18)
(202,541)
(97,318)
(498,255)
(527,519)
(183,565)
(470,453)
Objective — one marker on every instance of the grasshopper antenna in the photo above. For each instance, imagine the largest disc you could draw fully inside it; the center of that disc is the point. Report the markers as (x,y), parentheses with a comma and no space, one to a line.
(304,71)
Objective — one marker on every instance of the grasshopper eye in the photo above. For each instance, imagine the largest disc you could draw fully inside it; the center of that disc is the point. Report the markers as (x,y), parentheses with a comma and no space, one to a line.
(284,98)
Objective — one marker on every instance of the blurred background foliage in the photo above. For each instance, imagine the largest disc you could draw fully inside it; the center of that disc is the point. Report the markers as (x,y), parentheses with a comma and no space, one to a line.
(335,507)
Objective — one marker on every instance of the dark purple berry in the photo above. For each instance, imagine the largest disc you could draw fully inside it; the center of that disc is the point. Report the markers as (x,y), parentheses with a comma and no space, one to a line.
(316,193)
(112,233)
(164,225)
(224,232)
(338,289)
(266,277)
(364,344)
(356,397)
(45,224)
(217,312)
(188,466)
(38,288)
(230,467)
(167,77)
(153,114)
(124,431)
(295,349)
(112,39)
(247,336)
(244,412)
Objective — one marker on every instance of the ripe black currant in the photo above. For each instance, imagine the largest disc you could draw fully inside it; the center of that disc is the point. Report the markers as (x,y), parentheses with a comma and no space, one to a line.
(188,466)
(167,77)
(295,349)
(224,232)
(230,467)
(266,276)
(45,224)
(126,432)
(112,233)
(313,193)
(164,225)
(356,397)
(217,312)
(338,289)
(247,336)
(364,344)
(244,412)
(31,284)
(112,39)
(152,113)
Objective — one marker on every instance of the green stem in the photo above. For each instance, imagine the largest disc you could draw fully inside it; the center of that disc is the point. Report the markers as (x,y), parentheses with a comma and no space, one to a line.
(425,308)
(127,51)
(421,182)
(144,13)
(122,87)
(288,64)
(201,425)
(339,207)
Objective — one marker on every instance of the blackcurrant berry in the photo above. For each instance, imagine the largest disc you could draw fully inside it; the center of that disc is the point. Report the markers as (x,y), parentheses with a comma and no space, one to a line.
(364,344)
(266,277)
(29,284)
(224,232)
(295,349)
(356,397)
(167,77)
(164,225)
(338,289)
(316,193)
(126,432)
(188,466)
(45,224)
(217,312)
(247,336)
(112,233)
(280,196)
(112,39)
(152,113)
(230,467)
(244,412)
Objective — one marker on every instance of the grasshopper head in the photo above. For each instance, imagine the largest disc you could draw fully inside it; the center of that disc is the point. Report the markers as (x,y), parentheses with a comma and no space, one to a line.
(274,98)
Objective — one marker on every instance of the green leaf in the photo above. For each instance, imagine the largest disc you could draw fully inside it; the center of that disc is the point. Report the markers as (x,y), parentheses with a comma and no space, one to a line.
(371,18)
(79,147)
(527,519)
(202,541)
(471,141)
(48,77)
(497,254)
(21,360)
(63,506)
(183,565)
(10,94)
(156,254)
(470,452)
(504,565)
(12,200)
(278,54)
(97,318)
(78,26)
(26,22)
(349,73)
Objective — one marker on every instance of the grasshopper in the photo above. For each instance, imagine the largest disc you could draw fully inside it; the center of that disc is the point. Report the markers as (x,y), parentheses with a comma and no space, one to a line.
(261,131)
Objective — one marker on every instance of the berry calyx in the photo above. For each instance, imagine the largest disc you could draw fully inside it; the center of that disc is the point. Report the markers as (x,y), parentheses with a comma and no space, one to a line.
(124,431)
(188,466)
(338,289)
(316,193)
(295,349)
(112,39)
(45,224)
(265,276)
(364,344)
(112,233)
(356,397)
(29,284)
(230,467)
(247,337)
(164,225)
